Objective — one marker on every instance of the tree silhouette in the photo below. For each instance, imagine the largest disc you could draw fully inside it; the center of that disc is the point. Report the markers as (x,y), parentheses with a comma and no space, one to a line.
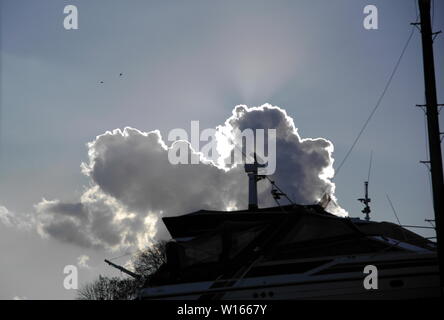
(145,263)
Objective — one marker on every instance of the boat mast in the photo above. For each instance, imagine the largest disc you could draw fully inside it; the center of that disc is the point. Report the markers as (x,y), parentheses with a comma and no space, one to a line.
(253,177)
(366,200)
(431,108)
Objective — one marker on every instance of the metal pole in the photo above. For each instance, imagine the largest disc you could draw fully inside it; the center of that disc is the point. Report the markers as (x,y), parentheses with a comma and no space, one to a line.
(130,273)
(433,129)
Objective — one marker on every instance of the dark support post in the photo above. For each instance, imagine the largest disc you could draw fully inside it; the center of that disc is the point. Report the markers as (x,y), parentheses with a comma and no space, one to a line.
(132,274)
(433,129)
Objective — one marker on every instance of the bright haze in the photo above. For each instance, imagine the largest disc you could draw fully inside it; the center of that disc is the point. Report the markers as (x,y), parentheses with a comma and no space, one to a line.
(84,176)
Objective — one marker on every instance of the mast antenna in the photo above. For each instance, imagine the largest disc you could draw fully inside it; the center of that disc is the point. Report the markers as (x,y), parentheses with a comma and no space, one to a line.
(366,200)
(253,177)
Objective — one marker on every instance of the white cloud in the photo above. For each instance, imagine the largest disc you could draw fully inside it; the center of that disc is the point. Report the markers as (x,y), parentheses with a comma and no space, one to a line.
(10,219)
(82,261)
(133,184)
(304,165)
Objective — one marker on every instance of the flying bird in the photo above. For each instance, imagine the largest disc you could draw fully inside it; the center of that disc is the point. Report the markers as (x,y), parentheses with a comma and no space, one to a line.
(120,75)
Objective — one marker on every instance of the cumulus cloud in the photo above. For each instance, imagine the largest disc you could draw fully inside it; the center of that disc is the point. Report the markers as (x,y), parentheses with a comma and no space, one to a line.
(304,167)
(133,167)
(98,220)
(133,184)
(10,219)
(82,261)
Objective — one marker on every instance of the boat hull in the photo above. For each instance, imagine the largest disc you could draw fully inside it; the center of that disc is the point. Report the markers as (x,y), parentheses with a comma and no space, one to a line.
(398,277)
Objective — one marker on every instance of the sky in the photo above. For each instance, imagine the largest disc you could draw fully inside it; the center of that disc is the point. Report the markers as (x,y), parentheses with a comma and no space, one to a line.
(196,60)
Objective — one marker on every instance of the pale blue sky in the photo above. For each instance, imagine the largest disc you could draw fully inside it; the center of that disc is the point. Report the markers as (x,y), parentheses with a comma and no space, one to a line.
(196,60)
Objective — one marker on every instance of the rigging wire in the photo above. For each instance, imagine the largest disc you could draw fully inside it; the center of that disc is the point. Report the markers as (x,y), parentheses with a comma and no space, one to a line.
(273,183)
(378,103)
(430,221)
(123,255)
(370,166)
(393,209)
(420,227)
